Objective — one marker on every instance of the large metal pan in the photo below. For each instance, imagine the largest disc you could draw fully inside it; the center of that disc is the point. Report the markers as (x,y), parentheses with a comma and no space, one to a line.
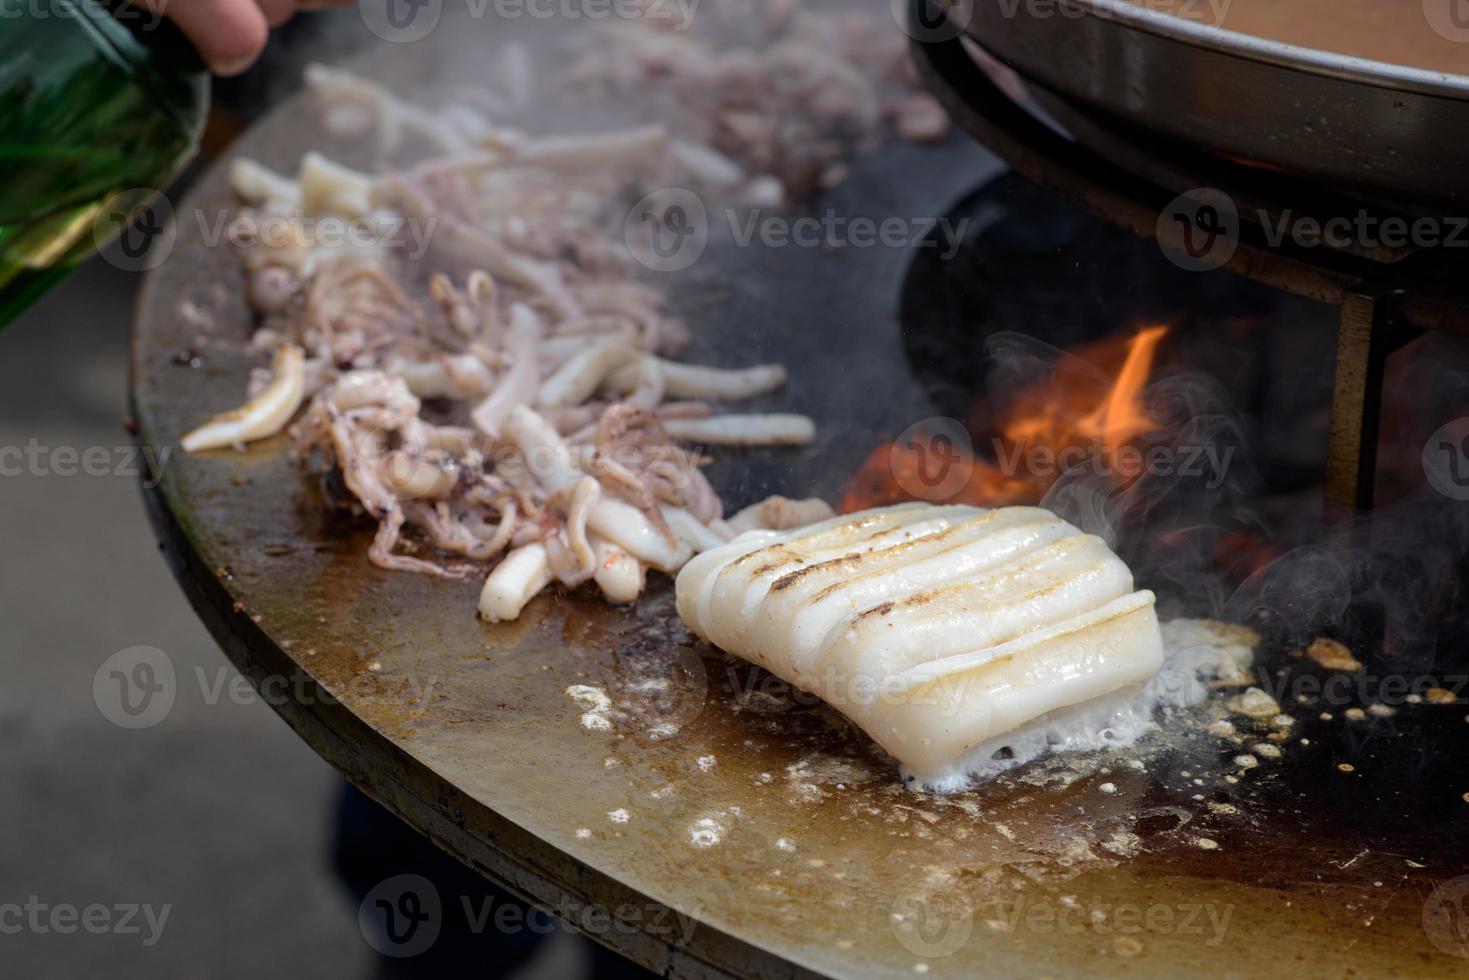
(1386,129)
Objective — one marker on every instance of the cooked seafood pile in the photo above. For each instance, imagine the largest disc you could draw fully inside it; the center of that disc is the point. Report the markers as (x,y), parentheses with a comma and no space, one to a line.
(961,639)
(505,403)
(772,95)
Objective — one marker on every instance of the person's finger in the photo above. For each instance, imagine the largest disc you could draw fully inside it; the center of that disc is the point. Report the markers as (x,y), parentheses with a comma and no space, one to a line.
(229,34)
(277,12)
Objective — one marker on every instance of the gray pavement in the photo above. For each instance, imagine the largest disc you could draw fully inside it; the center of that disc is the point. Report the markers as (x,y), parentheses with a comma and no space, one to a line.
(219,813)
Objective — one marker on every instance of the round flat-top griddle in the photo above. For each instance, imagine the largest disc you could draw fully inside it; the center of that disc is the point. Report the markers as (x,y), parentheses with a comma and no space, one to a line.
(729,825)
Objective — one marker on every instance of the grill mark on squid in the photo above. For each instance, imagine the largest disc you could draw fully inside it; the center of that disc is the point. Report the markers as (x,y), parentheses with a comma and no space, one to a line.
(784,545)
(1006,615)
(771,549)
(880,524)
(1021,629)
(924,598)
(992,582)
(1024,548)
(855,559)
(1027,643)
(996,581)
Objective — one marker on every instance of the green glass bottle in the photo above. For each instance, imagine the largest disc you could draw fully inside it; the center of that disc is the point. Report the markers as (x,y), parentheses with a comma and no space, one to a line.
(98,98)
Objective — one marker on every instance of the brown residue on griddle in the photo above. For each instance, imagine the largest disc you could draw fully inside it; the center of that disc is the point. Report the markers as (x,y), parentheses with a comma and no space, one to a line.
(1332,655)
(1254,703)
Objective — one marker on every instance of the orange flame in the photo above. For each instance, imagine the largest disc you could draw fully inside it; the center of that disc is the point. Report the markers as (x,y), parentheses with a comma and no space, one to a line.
(1075,409)
(1122,417)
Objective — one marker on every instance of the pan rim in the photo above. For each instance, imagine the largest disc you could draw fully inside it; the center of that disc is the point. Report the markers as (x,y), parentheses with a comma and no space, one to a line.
(1366,71)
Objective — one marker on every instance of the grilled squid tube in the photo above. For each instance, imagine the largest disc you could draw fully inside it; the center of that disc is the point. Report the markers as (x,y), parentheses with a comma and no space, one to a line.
(514,582)
(619,575)
(550,462)
(264,415)
(961,639)
(743,430)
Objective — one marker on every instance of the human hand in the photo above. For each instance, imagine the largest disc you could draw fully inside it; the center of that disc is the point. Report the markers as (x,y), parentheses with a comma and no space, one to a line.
(230,34)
